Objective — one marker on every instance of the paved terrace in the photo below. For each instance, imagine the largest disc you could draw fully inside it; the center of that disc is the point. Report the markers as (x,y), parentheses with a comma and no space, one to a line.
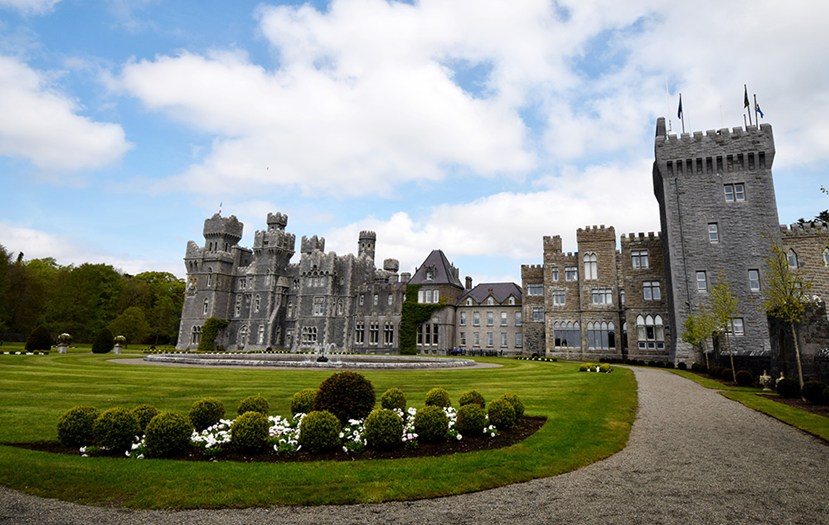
(693,457)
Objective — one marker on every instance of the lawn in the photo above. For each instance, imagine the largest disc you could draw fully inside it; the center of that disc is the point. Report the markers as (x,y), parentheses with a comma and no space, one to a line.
(589,418)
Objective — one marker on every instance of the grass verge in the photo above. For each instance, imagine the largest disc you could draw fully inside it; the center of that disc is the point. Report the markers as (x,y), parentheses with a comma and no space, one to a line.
(589,418)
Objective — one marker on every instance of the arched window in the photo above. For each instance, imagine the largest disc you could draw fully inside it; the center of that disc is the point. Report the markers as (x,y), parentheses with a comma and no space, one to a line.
(257,303)
(567,334)
(591,270)
(205,307)
(650,332)
(791,256)
(601,335)
(210,276)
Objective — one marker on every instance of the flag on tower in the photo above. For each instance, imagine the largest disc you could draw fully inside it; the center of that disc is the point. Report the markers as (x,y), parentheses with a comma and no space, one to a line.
(745,98)
(757,108)
(679,109)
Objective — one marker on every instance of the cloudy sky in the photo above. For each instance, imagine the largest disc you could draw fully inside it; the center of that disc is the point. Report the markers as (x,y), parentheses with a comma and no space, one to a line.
(473,126)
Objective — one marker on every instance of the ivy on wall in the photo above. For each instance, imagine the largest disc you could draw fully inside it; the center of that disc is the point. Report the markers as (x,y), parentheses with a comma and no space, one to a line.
(413,315)
(209,332)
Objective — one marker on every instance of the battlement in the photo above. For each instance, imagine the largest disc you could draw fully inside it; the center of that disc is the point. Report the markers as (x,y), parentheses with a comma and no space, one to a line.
(368,235)
(391,265)
(218,226)
(714,151)
(310,244)
(552,244)
(639,237)
(804,229)
(532,272)
(277,221)
(596,233)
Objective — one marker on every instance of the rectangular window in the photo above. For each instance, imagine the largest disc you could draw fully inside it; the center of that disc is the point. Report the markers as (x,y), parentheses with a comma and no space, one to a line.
(639,259)
(463,318)
(504,340)
(735,192)
(535,289)
(476,339)
(373,333)
(559,297)
(519,340)
(554,273)
(309,334)
(702,282)
(754,280)
(713,232)
(463,338)
(651,291)
(571,273)
(376,299)
(490,340)
(538,314)
(504,320)
(359,332)
(518,319)
(737,327)
(319,306)
(476,318)
(388,333)
(602,296)
(490,318)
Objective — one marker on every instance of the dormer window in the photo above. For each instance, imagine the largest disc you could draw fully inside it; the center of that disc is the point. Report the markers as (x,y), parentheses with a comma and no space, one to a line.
(430,274)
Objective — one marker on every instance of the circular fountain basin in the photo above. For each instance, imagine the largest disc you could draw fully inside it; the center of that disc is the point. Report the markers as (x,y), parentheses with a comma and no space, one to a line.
(390,362)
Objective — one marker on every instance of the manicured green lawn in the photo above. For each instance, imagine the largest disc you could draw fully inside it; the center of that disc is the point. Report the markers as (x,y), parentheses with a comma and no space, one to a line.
(756,399)
(589,418)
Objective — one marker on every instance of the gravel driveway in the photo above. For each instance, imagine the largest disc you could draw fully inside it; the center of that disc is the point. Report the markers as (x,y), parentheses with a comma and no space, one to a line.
(693,457)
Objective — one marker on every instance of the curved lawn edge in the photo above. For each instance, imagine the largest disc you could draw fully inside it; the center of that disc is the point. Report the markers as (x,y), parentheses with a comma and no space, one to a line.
(589,417)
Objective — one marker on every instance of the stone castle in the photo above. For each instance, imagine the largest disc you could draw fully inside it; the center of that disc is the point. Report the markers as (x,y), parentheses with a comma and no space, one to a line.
(612,298)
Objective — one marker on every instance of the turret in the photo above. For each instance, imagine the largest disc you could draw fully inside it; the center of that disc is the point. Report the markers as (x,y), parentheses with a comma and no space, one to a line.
(222,233)
(368,240)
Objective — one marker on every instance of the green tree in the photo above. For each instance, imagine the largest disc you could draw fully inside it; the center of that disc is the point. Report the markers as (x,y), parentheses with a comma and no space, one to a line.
(786,292)
(697,329)
(30,286)
(723,311)
(166,302)
(5,263)
(131,324)
(85,300)
(103,343)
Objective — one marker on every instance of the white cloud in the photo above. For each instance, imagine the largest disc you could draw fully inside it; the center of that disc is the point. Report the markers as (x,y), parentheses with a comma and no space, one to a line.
(29,7)
(44,127)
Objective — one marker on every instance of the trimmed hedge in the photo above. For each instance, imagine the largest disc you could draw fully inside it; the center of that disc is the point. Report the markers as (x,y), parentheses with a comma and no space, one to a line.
(144,414)
(249,432)
(302,402)
(813,392)
(431,424)
(745,378)
(319,431)
(788,387)
(472,397)
(206,413)
(167,434)
(501,414)
(116,428)
(471,419)
(393,398)
(382,429)
(75,426)
(254,404)
(438,397)
(347,395)
(39,339)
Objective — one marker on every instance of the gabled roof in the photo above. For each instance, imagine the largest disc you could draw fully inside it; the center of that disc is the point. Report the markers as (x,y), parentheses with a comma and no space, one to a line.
(499,291)
(438,267)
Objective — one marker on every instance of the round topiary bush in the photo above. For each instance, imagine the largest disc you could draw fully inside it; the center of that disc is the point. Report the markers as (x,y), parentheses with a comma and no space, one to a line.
(206,413)
(682,366)
(813,391)
(393,398)
(431,424)
(144,414)
(725,373)
(383,429)
(745,378)
(788,387)
(319,431)
(347,395)
(438,397)
(249,432)
(75,426)
(254,404)
(39,339)
(473,396)
(471,419)
(302,402)
(116,429)
(501,414)
(103,342)
(516,403)
(167,434)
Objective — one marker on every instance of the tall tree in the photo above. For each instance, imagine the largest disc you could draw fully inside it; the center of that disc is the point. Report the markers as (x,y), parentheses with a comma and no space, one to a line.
(697,330)
(723,311)
(786,293)
(85,300)
(131,324)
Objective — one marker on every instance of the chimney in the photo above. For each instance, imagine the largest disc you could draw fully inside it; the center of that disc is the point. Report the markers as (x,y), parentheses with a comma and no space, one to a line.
(468,283)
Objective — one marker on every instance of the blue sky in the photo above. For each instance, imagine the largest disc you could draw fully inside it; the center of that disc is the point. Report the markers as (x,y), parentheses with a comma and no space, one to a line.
(476,127)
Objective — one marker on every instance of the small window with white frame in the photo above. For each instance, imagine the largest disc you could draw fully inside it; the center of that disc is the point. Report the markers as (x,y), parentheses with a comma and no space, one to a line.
(639,259)
(535,289)
(702,282)
(737,327)
(651,291)
(735,192)
(713,232)
(754,280)
(571,273)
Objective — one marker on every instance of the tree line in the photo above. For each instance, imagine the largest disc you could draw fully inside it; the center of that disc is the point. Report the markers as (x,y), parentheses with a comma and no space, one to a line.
(83,300)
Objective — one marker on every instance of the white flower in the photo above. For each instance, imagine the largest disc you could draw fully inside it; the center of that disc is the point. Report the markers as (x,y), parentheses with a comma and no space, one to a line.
(459,437)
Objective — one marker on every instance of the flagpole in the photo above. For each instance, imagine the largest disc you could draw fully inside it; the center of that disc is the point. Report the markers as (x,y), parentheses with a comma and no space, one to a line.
(745,104)
(756,117)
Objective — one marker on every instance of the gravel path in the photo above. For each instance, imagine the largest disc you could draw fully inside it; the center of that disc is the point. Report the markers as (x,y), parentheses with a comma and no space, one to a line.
(693,457)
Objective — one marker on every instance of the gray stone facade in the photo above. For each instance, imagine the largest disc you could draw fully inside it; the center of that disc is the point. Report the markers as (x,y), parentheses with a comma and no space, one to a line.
(490,319)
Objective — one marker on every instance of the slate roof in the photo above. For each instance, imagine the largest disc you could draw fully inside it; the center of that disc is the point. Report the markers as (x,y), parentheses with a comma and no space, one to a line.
(444,272)
(499,291)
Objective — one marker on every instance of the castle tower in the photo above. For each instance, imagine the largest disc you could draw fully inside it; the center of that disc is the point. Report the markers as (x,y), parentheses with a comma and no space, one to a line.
(718,216)
(368,240)
(222,233)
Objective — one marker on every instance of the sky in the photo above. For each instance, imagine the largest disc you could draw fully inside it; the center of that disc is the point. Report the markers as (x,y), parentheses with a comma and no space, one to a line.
(473,126)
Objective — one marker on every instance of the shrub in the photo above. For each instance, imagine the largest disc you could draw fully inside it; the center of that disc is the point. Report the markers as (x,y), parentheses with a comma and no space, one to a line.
(516,403)
(438,397)
(116,429)
(788,387)
(249,432)
(472,397)
(725,373)
(745,378)
(347,395)
(813,391)
(143,414)
(254,404)
(431,424)
(39,339)
(501,414)
(75,426)
(393,398)
(103,343)
(605,368)
(319,431)
(383,429)
(584,367)
(167,434)
(471,419)
(698,367)
(205,413)
(302,402)
(714,371)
